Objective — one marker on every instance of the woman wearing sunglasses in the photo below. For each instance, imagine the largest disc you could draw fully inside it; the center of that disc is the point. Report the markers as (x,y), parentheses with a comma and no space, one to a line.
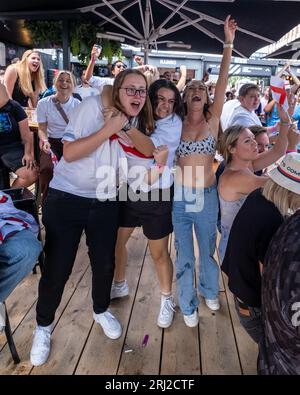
(99,82)
(83,197)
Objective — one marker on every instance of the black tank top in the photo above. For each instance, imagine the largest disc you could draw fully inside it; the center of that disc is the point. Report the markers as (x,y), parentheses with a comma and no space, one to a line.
(18,95)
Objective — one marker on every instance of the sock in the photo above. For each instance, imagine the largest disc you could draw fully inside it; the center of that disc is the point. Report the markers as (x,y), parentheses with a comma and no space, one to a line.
(46,328)
(165,296)
(119,284)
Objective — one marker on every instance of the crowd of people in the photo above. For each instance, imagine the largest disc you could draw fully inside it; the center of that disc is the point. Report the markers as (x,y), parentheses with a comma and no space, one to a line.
(106,166)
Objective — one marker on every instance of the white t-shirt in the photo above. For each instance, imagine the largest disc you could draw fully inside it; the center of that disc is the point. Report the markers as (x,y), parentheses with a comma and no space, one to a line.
(243,117)
(86,91)
(227,111)
(47,112)
(263,102)
(99,82)
(94,176)
(167,132)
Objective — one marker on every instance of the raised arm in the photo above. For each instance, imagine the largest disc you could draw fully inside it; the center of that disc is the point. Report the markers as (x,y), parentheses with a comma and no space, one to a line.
(295,79)
(279,149)
(182,80)
(230,27)
(90,69)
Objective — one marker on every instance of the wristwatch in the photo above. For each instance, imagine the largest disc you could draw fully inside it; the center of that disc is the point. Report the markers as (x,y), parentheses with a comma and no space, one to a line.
(126,127)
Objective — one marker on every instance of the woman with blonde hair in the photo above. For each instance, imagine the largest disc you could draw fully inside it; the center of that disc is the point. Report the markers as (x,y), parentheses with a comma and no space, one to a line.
(53,116)
(24,80)
(253,228)
(239,148)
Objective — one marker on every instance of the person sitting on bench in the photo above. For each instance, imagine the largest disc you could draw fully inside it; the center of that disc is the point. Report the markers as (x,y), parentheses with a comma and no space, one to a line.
(16,141)
(19,248)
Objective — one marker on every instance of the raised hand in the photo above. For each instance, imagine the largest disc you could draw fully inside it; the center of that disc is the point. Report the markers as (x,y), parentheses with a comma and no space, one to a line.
(230,27)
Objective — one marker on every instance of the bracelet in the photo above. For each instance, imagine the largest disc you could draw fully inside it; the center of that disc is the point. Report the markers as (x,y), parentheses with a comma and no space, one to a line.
(290,150)
(228,45)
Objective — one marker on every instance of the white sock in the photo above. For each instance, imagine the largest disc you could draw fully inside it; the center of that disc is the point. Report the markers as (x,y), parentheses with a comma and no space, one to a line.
(165,297)
(45,328)
(119,284)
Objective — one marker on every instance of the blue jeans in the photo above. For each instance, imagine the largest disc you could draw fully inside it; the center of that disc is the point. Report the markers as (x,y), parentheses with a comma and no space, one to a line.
(202,213)
(18,255)
(250,318)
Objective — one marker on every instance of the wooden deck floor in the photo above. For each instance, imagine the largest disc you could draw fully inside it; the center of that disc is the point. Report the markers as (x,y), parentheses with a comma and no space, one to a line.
(219,345)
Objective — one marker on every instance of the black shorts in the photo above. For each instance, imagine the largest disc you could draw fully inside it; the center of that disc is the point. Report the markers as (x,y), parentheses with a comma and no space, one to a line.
(154,216)
(11,155)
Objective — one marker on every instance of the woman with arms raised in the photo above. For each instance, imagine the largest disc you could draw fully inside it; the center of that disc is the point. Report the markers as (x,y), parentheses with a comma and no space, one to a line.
(195,199)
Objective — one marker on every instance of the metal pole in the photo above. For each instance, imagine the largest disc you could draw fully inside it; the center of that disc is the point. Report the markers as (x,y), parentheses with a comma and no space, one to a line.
(146,53)
(147,32)
(66,45)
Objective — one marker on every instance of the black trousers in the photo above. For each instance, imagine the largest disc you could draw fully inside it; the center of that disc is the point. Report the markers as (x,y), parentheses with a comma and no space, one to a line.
(65,217)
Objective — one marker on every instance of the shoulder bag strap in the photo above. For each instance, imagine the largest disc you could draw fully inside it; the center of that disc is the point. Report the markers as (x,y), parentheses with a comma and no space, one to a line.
(60,109)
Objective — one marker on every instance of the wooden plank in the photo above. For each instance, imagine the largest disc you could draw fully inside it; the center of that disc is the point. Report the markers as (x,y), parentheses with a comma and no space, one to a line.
(218,349)
(20,301)
(23,333)
(247,348)
(92,360)
(144,360)
(181,350)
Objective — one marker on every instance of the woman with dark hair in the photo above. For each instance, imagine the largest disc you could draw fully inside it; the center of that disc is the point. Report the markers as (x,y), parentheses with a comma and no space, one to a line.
(153,215)
(195,198)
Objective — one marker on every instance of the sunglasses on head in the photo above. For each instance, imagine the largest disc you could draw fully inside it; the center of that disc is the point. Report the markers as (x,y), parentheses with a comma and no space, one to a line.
(121,66)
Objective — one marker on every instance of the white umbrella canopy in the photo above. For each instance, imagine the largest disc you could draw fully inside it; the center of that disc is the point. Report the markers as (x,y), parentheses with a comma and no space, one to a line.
(161,23)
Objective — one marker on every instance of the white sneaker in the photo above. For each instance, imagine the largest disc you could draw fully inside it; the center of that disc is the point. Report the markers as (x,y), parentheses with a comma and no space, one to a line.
(109,324)
(41,345)
(119,290)
(191,320)
(213,304)
(166,313)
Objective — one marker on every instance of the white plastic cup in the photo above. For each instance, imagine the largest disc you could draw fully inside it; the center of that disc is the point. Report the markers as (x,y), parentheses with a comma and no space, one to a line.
(98,50)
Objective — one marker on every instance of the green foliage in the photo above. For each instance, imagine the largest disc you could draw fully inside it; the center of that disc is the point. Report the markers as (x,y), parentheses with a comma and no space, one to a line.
(48,34)
(45,33)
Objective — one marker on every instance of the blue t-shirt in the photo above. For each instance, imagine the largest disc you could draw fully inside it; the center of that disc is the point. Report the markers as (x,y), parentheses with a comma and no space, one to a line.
(272,117)
(10,115)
